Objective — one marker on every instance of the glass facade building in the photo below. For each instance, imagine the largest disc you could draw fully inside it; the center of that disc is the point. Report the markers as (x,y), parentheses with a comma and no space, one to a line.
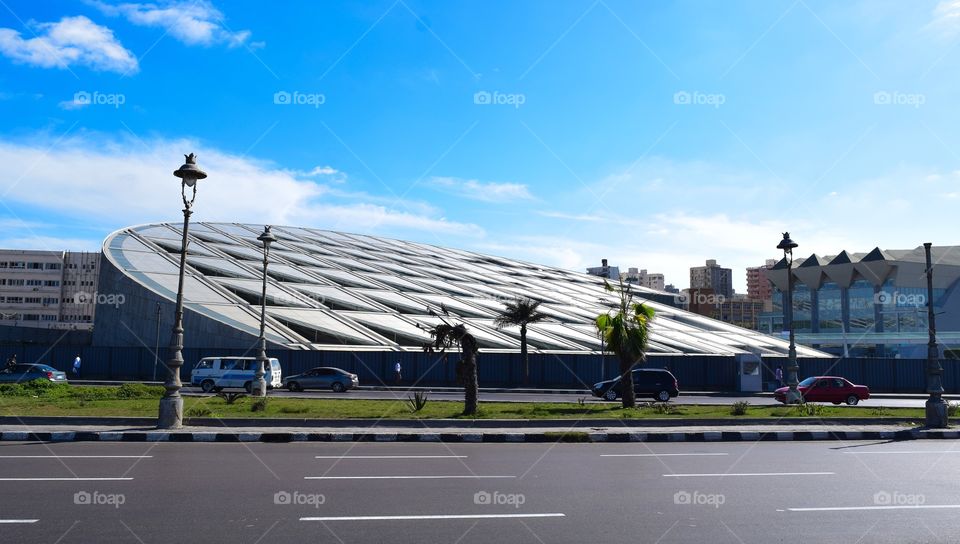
(872,304)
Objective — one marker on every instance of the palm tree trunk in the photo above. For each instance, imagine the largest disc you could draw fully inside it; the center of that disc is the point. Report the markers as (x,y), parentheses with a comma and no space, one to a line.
(524,355)
(626,384)
(471,387)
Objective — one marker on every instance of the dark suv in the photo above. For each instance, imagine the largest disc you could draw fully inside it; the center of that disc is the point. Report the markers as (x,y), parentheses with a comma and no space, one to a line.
(647,382)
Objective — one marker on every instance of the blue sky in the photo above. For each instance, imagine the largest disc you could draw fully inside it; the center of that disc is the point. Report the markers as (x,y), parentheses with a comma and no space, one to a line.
(654,134)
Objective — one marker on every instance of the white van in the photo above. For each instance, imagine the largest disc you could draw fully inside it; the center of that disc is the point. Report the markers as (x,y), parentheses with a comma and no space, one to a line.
(214,373)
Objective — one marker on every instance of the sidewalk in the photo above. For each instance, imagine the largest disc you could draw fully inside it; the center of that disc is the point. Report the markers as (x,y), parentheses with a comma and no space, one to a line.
(454,431)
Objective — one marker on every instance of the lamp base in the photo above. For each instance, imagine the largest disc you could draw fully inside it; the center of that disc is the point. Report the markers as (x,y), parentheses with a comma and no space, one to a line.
(171,413)
(258,388)
(936,412)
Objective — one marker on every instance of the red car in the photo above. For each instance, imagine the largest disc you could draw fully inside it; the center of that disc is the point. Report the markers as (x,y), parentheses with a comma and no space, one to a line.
(827,389)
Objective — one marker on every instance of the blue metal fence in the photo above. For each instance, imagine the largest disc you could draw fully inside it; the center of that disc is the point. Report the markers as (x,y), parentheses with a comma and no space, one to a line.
(707,373)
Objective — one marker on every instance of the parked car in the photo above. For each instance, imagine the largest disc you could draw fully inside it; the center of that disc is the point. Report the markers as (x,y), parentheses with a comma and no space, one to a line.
(26,372)
(827,389)
(214,373)
(322,377)
(653,382)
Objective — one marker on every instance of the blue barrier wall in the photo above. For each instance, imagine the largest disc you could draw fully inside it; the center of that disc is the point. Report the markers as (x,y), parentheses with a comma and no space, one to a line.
(703,373)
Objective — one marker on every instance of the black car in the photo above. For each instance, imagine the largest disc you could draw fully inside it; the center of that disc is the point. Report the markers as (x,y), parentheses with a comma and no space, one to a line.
(647,382)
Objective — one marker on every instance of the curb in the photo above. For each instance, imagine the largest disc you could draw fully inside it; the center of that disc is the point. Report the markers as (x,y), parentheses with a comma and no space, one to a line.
(498,437)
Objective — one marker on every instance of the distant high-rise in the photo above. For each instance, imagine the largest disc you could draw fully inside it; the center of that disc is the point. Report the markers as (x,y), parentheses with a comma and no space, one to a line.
(758,286)
(644,279)
(712,276)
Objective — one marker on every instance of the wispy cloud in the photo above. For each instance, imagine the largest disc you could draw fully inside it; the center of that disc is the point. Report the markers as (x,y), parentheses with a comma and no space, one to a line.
(946,19)
(483,191)
(71,41)
(238,189)
(195,22)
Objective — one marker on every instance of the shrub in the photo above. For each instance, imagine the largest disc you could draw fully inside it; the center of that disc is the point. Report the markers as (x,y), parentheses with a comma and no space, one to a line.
(880,411)
(139,391)
(230,397)
(418,401)
(807,409)
(259,405)
(739,408)
(199,411)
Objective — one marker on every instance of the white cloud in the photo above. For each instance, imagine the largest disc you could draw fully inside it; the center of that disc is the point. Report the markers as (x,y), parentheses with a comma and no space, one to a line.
(112,183)
(72,104)
(71,41)
(946,19)
(194,22)
(486,192)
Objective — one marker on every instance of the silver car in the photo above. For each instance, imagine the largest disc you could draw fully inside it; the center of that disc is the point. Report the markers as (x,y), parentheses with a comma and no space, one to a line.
(322,377)
(25,372)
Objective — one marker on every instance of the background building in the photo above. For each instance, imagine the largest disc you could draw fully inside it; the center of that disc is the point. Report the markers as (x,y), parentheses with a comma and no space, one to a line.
(758,284)
(712,276)
(605,271)
(48,289)
(871,304)
(645,279)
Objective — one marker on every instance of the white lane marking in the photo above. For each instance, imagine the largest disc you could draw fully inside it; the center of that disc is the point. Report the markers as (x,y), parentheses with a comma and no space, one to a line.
(659,454)
(901,452)
(720,474)
(450,516)
(76,457)
(19,520)
(894,507)
(390,457)
(63,479)
(399,477)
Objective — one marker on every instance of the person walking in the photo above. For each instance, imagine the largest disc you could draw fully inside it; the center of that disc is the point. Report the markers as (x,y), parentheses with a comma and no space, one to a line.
(396,373)
(12,361)
(779,376)
(76,366)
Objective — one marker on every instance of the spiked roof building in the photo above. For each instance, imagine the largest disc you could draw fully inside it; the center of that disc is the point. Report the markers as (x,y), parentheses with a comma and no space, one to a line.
(871,303)
(335,291)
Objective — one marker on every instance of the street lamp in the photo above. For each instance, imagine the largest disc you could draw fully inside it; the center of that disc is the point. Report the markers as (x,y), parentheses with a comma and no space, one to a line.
(793,395)
(259,386)
(936,407)
(171,405)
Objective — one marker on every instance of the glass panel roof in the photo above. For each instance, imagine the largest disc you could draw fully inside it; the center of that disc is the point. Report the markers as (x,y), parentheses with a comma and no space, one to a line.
(275,295)
(389,285)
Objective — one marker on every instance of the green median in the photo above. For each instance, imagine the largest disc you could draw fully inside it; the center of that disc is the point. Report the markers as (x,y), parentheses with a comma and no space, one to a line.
(138,400)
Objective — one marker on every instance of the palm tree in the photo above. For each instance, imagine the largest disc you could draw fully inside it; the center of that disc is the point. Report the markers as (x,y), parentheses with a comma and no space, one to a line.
(446,335)
(521,312)
(625,333)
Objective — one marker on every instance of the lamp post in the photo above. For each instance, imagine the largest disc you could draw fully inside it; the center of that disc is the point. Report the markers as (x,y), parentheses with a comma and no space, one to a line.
(793,395)
(171,405)
(936,407)
(259,386)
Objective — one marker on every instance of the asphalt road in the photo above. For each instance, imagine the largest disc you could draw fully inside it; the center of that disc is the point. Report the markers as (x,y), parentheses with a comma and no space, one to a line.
(554,397)
(480,493)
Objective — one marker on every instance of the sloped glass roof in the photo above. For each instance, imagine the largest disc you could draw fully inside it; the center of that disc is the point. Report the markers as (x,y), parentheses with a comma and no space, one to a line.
(372,292)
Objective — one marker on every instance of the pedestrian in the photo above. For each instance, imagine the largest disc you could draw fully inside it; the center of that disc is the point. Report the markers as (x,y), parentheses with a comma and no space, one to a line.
(76,366)
(779,375)
(396,373)
(12,361)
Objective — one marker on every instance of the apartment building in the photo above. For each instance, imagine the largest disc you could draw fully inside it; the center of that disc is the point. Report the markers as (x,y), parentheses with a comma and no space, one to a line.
(48,289)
